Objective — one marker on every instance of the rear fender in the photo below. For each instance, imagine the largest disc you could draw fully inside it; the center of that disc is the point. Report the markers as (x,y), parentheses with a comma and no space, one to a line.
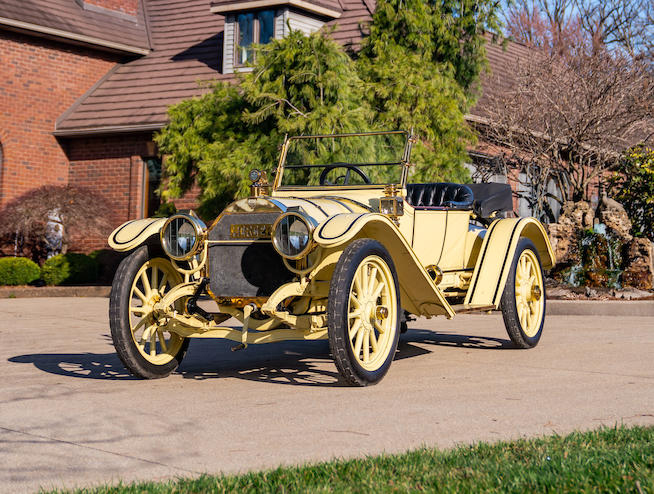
(419,295)
(496,255)
(133,233)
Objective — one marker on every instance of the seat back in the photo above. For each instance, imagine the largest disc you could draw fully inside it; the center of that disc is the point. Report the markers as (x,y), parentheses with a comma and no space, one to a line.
(441,194)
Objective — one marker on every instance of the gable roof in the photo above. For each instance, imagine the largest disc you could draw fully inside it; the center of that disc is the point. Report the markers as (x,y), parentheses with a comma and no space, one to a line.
(327,8)
(186,49)
(69,21)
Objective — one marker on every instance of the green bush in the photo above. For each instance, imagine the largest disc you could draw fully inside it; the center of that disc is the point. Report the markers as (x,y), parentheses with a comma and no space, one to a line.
(69,269)
(18,271)
(633,186)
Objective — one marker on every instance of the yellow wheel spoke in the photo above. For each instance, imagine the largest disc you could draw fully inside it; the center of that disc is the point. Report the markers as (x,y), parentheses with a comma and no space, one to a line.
(357,283)
(162,340)
(354,300)
(354,313)
(155,277)
(355,328)
(138,310)
(364,280)
(140,295)
(146,282)
(378,290)
(379,327)
(373,341)
(153,343)
(162,283)
(366,347)
(357,343)
(372,279)
(139,324)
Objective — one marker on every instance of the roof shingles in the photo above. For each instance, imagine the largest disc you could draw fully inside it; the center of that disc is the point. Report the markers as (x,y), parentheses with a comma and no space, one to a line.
(187,48)
(67,19)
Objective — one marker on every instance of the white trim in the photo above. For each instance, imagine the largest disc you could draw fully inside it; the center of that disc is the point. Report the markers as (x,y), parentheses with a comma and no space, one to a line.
(108,130)
(73,36)
(256,4)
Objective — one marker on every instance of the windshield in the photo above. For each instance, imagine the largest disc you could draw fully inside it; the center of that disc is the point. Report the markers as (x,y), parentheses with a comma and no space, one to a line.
(351,159)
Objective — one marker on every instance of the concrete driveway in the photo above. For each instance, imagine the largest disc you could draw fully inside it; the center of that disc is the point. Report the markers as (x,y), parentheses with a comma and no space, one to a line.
(71,416)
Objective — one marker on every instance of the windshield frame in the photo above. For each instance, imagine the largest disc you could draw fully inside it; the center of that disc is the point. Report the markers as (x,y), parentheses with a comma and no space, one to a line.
(404,161)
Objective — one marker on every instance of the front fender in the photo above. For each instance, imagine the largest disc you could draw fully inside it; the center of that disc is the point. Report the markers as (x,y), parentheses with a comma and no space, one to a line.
(418,293)
(133,233)
(496,255)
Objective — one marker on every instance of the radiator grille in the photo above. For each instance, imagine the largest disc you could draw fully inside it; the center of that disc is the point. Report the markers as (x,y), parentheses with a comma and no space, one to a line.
(244,267)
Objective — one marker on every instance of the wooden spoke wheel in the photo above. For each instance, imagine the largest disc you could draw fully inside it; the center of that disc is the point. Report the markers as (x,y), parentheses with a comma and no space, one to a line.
(523,299)
(139,332)
(363,312)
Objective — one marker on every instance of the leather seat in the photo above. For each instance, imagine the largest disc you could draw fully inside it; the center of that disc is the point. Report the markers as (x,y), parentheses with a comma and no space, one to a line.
(446,195)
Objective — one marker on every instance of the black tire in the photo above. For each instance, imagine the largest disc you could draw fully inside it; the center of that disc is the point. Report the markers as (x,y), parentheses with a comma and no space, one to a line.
(119,321)
(338,307)
(524,335)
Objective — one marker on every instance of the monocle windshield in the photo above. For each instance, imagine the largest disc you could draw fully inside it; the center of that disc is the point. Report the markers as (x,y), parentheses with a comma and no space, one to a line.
(353,160)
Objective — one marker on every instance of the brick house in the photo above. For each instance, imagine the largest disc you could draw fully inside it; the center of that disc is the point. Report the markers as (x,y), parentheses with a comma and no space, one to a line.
(85,83)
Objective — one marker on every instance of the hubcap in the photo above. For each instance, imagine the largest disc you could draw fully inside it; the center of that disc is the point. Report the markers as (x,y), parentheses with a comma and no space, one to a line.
(372,313)
(153,340)
(528,293)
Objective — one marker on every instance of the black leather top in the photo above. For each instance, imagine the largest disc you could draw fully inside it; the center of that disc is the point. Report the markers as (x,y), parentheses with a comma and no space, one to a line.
(439,195)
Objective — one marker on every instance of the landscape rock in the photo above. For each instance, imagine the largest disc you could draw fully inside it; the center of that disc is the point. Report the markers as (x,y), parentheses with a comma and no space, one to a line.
(616,219)
(563,235)
(639,271)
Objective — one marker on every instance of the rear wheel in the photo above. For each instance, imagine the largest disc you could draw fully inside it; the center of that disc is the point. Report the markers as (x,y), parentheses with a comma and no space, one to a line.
(144,345)
(363,313)
(523,299)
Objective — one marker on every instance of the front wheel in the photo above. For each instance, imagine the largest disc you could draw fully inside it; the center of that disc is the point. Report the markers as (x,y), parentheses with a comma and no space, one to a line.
(523,299)
(363,313)
(141,340)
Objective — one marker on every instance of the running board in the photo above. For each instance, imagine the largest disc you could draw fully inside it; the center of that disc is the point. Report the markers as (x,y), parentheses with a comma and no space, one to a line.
(463,308)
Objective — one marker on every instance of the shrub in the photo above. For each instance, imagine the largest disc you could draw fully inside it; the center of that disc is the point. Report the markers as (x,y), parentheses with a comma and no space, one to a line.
(633,186)
(24,220)
(18,271)
(69,269)
(108,261)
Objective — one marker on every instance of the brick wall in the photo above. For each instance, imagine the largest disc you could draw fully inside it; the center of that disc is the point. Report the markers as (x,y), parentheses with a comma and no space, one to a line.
(39,80)
(113,167)
(129,7)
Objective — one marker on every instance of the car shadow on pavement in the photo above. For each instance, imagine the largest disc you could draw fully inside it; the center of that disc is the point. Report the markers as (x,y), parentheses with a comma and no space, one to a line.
(291,362)
(455,340)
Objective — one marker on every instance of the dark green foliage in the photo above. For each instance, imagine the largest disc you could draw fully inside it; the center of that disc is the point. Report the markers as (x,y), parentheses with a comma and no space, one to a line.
(107,261)
(448,33)
(420,63)
(616,459)
(417,70)
(300,85)
(18,271)
(70,268)
(633,186)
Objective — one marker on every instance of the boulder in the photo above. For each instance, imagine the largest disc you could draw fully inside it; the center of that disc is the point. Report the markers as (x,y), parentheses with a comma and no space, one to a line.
(616,219)
(563,235)
(639,262)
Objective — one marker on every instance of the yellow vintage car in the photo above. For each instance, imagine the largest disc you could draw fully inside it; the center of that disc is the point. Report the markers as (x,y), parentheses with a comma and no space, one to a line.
(340,246)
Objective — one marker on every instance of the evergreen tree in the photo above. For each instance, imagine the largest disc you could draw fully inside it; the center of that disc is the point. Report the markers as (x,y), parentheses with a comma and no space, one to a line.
(300,85)
(420,62)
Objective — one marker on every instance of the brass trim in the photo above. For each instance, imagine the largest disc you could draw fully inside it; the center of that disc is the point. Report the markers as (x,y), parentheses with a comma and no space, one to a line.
(200,234)
(310,227)
(435,272)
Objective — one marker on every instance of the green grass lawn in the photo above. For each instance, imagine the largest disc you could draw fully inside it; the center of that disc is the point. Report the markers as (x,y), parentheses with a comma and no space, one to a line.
(611,460)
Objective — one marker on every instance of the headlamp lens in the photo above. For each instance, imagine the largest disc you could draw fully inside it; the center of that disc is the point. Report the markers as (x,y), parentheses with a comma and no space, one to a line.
(179,237)
(292,236)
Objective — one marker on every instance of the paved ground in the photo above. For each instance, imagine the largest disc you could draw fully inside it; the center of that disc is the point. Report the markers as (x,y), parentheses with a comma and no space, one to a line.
(71,416)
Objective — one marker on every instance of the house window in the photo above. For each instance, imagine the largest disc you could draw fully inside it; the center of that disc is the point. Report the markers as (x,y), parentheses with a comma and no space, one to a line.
(151,182)
(253,27)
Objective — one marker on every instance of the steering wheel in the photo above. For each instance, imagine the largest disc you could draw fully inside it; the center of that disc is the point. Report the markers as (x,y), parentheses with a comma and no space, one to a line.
(346,178)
